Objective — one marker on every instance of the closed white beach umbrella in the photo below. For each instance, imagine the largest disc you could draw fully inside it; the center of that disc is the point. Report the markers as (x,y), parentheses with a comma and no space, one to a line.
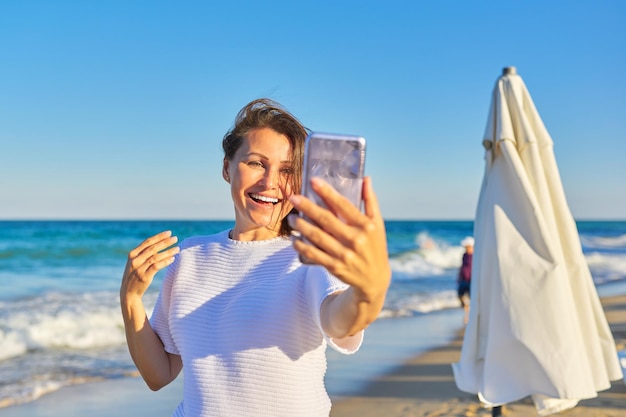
(536,325)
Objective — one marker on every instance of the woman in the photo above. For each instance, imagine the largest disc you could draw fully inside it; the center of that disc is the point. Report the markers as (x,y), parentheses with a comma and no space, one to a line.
(248,321)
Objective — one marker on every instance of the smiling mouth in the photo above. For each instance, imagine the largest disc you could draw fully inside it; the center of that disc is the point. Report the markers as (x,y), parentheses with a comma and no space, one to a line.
(263,199)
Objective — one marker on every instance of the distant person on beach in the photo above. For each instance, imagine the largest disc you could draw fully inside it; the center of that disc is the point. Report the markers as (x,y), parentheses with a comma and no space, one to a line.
(465,276)
(247,321)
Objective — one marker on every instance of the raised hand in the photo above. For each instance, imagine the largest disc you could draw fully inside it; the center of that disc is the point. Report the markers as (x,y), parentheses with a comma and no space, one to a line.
(157,367)
(145,261)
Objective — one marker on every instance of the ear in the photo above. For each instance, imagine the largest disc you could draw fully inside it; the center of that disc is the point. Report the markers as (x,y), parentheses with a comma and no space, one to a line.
(225,173)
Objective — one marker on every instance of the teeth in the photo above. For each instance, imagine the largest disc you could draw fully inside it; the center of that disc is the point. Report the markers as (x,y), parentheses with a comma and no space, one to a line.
(264,199)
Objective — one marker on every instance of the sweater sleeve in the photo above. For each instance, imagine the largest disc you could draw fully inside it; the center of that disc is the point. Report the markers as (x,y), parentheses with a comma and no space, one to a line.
(160,315)
(319,285)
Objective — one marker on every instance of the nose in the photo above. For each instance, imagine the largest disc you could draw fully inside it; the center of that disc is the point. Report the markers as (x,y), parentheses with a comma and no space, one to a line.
(271,178)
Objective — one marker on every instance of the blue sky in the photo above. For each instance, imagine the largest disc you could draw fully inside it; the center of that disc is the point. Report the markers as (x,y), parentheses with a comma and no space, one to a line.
(116,109)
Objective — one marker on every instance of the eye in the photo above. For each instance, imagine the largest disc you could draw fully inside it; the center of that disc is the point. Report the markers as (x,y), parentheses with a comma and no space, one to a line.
(255,164)
(287,171)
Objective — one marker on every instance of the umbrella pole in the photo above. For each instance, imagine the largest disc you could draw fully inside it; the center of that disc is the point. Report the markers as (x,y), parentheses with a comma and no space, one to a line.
(496,411)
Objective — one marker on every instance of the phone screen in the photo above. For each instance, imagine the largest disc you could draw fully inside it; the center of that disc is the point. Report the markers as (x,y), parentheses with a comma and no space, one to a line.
(337,159)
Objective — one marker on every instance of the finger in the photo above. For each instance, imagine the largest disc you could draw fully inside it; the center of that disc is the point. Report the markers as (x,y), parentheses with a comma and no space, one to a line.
(318,236)
(321,218)
(149,267)
(316,256)
(137,261)
(150,241)
(160,260)
(341,206)
(155,247)
(159,256)
(370,201)
(163,255)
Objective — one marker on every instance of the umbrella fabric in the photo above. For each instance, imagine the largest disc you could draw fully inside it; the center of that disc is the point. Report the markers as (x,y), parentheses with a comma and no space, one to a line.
(536,325)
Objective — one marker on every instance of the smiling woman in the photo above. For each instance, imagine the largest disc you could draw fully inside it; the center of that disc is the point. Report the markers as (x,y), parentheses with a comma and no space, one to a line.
(261,171)
(262,122)
(260,177)
(237,309)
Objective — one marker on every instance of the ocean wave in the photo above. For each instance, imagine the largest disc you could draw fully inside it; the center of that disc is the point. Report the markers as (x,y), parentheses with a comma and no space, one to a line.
(606,267)
(61,321)
(28,377)
(603,242)
(420,303)
(431,259)
(60,339)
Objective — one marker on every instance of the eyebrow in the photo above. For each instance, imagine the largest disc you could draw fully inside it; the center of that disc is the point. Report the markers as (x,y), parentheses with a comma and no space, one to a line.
(289,161)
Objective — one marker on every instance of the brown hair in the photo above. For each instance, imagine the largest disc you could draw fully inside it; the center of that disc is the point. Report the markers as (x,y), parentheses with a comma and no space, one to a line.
(266,113)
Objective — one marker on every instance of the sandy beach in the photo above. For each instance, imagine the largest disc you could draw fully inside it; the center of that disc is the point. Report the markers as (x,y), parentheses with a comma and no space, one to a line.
(425,387)
(422,386)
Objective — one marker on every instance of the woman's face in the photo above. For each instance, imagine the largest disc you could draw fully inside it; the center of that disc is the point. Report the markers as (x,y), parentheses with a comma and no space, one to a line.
(259,175)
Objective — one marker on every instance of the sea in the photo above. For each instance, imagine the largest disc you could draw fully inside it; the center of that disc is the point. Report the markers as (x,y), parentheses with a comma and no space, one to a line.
(60,321)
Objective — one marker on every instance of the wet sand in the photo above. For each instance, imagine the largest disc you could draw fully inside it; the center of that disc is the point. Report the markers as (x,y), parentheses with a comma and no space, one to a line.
(424,386)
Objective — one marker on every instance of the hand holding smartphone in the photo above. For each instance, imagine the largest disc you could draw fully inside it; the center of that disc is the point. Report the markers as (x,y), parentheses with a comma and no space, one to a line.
(337,159)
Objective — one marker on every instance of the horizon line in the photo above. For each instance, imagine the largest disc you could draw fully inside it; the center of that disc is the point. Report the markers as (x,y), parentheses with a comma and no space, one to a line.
(172,219)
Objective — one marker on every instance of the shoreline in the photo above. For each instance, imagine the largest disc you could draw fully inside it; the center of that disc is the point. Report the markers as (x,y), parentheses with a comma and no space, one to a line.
(425,387)
(384,348)
(393,375)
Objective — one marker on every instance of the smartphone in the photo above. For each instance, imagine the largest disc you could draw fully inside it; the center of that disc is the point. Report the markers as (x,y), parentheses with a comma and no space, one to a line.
(337,159)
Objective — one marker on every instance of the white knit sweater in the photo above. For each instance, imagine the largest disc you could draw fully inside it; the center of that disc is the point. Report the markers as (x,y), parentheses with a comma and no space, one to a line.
(245,318)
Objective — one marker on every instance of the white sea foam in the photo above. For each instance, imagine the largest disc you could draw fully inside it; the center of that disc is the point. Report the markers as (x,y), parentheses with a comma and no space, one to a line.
(60,339)
(421,303)
(413,265)
(606,267)
(11,344)
(431,259)
(602,242)
(61,321)
(446,257)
